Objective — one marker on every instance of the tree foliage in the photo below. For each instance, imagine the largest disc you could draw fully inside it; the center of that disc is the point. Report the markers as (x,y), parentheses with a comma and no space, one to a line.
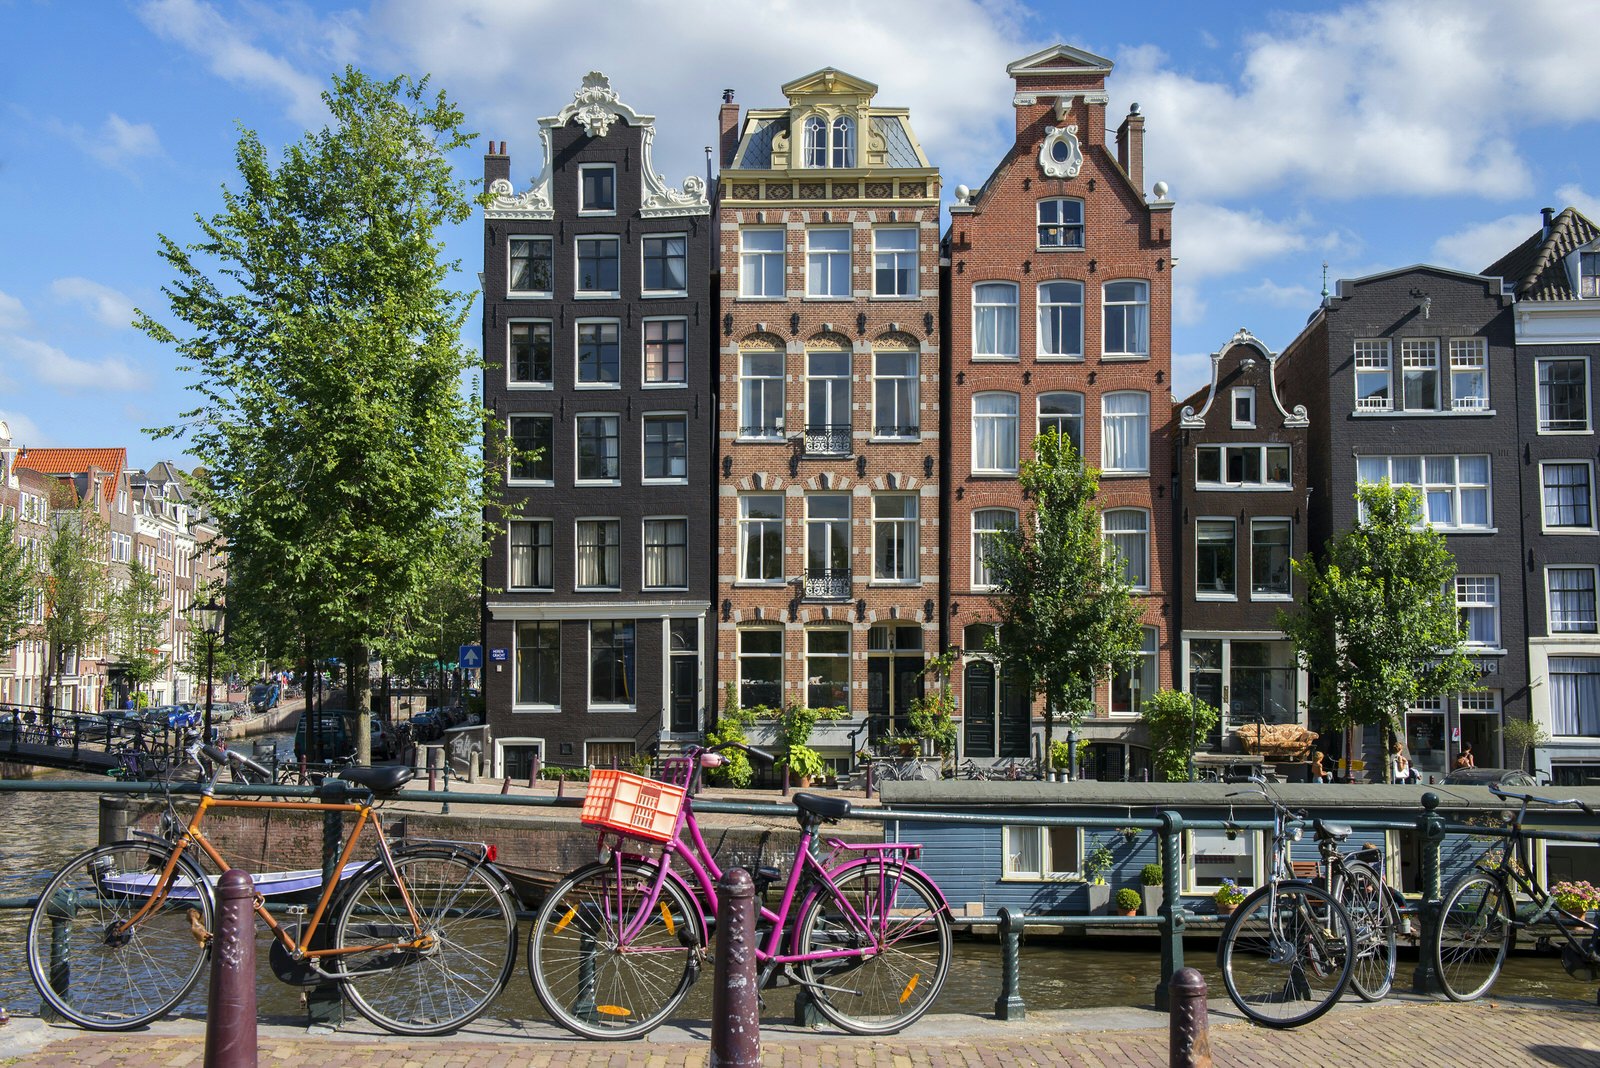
(1175,721)
(136,624)
(339,451)
(1064,600)
(74,586)
(932,715)
(19,585)
(1377,628)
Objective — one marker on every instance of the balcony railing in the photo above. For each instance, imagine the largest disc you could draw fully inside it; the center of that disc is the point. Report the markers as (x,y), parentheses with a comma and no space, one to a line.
(827,584)
(828,439)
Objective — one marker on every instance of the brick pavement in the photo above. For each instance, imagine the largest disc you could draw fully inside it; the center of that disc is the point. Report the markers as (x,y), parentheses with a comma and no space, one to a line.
(1499,1032)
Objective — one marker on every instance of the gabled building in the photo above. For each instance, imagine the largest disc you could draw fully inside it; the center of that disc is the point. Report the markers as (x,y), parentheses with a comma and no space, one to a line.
(597,321)
(1060,296)
(828,417)
(24,498)
(1555,275)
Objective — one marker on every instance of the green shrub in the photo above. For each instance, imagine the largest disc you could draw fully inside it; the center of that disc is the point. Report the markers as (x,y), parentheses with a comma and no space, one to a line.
(930,715)
(1150,875)
(1176,721)
(730,726)
(1128,899)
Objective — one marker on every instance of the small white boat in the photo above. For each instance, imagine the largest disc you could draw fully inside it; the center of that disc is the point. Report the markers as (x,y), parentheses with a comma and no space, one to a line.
(267,884)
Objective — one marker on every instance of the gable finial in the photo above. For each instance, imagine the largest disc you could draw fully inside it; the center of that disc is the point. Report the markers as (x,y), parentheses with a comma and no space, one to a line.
(1324,281)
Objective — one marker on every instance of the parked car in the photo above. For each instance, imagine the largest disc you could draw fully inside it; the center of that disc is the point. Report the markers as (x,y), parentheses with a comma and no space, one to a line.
(337,728)
(264,696)
(1489,777)
(170,717)
(429,725)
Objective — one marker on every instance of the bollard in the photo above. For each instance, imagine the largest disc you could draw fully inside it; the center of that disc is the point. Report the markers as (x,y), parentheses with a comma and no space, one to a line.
(433,769)
(505,787)
(231,1003)
(735,1001)
(302,770)
(1009,1006)
(325,1001)
(1189,1034)
(474,765)
(561,787)
(533,772)
(113,819)
(1430,826)
(869,781)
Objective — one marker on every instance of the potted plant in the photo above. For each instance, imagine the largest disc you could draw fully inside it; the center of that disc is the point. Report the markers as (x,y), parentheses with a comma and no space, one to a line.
(930,716)
(1128,834)
(1150,878)
(1095,866)
(804,764)
(1228,897)
(1576,899)
(1060,760)
(1127,901)
(795,723)
(906,744)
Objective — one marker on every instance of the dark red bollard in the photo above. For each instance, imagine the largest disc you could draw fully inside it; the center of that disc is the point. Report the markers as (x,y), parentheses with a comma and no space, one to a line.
(1189,1045)
(231,1004)
(505,787)
(735,1002)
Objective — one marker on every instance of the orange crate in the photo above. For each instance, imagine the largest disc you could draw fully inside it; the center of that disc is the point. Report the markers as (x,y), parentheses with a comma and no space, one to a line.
(632,804)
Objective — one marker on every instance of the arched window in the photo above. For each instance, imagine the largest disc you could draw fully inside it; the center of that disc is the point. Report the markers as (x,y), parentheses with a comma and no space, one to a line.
(986,524)
(1063,413)
(994,321)
(994,433)
(844,142)
(816,148)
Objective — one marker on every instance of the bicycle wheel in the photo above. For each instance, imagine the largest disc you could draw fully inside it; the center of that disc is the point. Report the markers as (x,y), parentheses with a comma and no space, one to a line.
(93,968)
(1473,936)
(1286,954)
(592,982)
(466,912)
(905,948)
(1377,925)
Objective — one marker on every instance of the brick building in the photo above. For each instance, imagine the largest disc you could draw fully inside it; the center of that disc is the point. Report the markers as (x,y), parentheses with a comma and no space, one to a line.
(828,414)
(1059,277)
(597,323)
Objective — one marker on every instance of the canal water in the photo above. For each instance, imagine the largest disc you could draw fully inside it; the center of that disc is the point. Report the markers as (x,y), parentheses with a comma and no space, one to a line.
(44,830)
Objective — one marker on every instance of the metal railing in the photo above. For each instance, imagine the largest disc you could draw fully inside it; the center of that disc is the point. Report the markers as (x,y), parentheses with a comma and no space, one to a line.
(827,439)
(827,583)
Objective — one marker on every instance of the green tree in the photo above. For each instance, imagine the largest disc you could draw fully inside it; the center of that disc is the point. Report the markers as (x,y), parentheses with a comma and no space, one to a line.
(19,585)
(75,588)
(136,624)
(1064,600)
(1175,721)
(1377,627)
(339,449)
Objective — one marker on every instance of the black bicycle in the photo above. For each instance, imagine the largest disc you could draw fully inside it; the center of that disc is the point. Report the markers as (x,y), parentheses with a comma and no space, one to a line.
(1355,878)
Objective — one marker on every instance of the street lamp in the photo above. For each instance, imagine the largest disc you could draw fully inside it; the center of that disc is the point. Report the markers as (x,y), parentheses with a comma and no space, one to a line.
(210,616)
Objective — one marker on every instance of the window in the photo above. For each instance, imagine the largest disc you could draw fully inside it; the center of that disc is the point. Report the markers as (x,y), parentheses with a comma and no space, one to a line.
(666,263)
(761,668)
(994,321)
(817,142)
(761,263)
(828,263)
(1061,320)
(828,546)
(895,667)
(1419,374)
(994,433)
(1214,559)
(1455,489)
(666,554)
(599,554)
(987,523)
(597,189)
(1125,433)
(761,537)
(844,142)
(539,663)
(1127,533)
(1568,495)
(894,261)
(1127,316)
(599,353)
(1042,852)
(532,260)
(531,361)
(1372,375)
(1575,695)
(761,395)
(532,445)
(1469,374)
(1209,857)
(666,447)
(531,554)
(1060,223)
(894,538)
(828,403)
(611,662)
(1242,465)
(1063,413)
(1478,602)
(1270,573)
(1563,396)
(1588,274)
(597,449)
(1244,408)
(896,411)
(828,668)
(1572,599)
(816,146)
(664,353)
(598,266)
(1132,686)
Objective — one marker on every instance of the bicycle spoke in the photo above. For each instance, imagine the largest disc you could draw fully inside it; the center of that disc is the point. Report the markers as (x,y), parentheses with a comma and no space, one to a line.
(1286,955)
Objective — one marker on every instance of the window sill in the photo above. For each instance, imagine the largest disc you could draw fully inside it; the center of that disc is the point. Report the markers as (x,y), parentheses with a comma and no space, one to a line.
(1464,530)
(598,213)
(896,296)
(612,709)
(531,296)
(1038,877)
(1124,357)
(598,482)
(615,294)
(540,710)
(525,483)
(684,481)
(662,294)
(597,385)
(898,440)
(894,584)
(1582,532)
(777,439)
(597,589)
(1483,650)
(1286,598)
(756,298)
(546,386)
(994,474)
(1243,487)
(1421,413)
(1060,248)
(664,385)
(530,589)
(1108,473)
(820,298)
(761,584)
(1217,598)
(1056,357)
(992,358)
(1543,433)
(664,589)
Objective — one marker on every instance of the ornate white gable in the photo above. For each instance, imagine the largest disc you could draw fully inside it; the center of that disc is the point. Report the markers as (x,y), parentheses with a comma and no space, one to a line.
(1189,419)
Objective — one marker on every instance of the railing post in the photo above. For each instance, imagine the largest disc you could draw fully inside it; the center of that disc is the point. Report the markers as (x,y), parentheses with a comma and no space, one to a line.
(735,1002)
(505,787)
(1430,827)
(433,769)
(113,819)
(1009,1006)
(231,1003)
(62,908)
(1172,915)
(1189,1034)
(325,1001)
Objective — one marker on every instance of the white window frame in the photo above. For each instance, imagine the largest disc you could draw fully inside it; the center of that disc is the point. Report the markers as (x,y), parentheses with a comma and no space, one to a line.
(1288,525)
(781,656)
(511,480)
(577,350)
(1456,487)
(1044,308)
(781,378)
(1040,245)
(1044,846)
(1106,442)
(999,311)
(814,142)
(533,383)
(1478,592)
(511,566)
(1539,365)
(644,275)
(744,521)
(1469,356)
(550,246)
(1374,356)
(834,658)
(1248,395)
(912,385)
(577,269)
(1148,665)
(583,209)
(1262,464)
(983,536)
(1544,524)
(842,142)
(828,259)
(577,552)
(1056,418)
(644,552)
(644,448)
(1106,306)
(906,532)
(758,259)
(1549,601)
(1106,533)
(577,456)
(841,412)
(645,381)
(895,257)
(1202,594)
(1252,849)
(1015,418)
(1420,355)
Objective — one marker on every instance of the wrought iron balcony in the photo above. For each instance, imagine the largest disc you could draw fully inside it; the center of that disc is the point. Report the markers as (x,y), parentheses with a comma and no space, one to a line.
(828,439)
(827,584)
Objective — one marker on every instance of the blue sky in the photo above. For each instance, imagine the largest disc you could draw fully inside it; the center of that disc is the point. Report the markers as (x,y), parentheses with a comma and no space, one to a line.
(1370,135)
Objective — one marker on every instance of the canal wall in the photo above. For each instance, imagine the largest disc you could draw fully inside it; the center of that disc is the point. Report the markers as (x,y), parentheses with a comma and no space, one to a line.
(283,718)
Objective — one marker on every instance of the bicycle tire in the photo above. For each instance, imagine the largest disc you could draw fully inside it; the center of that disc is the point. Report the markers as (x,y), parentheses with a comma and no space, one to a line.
(118,982)
(1472,937)
(1377,925)
(466,909)
(1292,976)
(578,973)
(893,986)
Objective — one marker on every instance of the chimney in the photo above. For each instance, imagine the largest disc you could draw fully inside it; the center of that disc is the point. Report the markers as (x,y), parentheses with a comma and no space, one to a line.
(496,164)
(1130,147)
(728,122)
(1549,218)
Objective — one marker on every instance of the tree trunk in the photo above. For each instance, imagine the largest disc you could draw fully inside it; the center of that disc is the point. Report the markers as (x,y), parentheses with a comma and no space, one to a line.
(1049,731)
(308,711)
(358,688)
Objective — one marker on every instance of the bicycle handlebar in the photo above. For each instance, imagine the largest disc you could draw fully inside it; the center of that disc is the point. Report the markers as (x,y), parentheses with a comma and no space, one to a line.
(1525,798)
(750,750)
(220,757)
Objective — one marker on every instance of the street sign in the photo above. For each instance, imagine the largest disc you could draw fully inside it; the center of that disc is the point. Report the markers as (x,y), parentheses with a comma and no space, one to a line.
(499,656)
(471,656)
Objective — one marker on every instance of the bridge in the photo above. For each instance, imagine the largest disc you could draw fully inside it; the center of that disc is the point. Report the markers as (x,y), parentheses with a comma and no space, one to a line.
(96,742)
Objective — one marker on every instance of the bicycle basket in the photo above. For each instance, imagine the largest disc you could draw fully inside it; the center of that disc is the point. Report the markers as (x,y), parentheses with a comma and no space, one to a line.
(632,804)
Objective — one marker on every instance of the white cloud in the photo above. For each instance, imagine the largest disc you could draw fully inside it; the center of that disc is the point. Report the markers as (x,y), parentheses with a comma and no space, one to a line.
(1280,296)
(24,431)
(54,367)
(108,305)
(1577,197)
(117,144)
(1475,247)
(12,313)
(1209,240)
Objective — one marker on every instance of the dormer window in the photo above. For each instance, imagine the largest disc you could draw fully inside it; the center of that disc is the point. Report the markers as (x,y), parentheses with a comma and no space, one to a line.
(1244,408)
(1589,274)
(830,144)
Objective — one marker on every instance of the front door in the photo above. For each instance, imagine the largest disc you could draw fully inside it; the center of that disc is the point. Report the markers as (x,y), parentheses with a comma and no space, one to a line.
(1016,726)
(978,715)
(683,677)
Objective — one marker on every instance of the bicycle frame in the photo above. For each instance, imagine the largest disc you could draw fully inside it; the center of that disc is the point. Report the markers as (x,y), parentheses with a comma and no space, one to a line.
(1515,867)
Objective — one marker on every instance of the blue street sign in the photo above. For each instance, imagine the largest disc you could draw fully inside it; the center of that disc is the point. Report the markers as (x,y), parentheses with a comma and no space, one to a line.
(471,656)
(499,656)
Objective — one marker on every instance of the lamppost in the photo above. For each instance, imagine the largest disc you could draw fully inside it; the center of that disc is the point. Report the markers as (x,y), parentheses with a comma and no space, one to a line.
(210,615)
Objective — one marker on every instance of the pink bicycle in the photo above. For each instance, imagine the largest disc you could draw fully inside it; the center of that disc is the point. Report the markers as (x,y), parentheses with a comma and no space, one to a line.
(617,944)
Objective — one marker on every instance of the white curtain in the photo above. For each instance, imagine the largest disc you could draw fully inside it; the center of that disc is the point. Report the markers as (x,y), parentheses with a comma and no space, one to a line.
(1575,695)
(995,305)
(1127,431)
(994,432)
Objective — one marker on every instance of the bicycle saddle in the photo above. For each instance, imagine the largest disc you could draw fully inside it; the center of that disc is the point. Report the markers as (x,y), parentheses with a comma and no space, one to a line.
(380,780)
(826,808)
(1338,832)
